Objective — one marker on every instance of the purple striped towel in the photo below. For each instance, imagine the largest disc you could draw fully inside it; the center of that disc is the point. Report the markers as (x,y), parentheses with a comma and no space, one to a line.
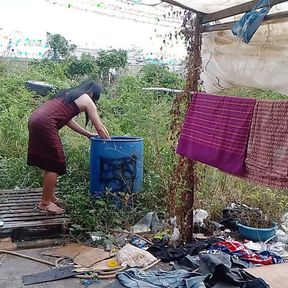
(216,131)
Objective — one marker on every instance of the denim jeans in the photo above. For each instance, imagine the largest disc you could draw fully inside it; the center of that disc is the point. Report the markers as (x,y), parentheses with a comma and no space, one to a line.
(135,278)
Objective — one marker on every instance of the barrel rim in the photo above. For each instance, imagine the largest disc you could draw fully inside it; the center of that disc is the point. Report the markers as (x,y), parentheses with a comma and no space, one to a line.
(118,139)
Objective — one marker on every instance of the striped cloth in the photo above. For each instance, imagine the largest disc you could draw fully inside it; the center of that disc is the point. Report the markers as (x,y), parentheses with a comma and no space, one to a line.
(44,147)
(267,153)
(216,130)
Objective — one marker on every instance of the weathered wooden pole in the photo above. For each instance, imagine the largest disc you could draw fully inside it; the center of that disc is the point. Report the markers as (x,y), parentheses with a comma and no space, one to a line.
(183,180)
(190,175)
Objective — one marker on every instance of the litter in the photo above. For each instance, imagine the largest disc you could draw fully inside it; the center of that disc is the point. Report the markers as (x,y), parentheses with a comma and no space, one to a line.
(91,256)
(150,222)
(101,266)
(199,215)
(138,242)
(50,275)
(134,257)
(70,250)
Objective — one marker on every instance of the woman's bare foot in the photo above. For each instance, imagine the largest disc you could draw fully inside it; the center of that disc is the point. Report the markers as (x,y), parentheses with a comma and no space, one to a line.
(50,208)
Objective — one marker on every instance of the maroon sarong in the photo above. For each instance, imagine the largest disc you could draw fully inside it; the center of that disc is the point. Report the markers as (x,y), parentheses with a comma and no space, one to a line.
(216,130)
(44,147)
(267,153)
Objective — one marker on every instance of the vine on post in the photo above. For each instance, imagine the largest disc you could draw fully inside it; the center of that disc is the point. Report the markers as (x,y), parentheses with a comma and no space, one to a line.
(183,180)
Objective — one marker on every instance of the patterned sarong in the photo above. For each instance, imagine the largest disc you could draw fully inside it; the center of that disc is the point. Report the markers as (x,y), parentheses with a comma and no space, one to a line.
(216,130)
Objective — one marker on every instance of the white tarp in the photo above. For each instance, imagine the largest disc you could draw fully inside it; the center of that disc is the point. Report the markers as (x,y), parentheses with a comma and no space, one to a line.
(263,63)
(210,6)
(227,62)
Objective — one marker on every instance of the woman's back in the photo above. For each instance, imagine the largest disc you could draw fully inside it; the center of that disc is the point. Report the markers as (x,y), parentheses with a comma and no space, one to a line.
(53,113)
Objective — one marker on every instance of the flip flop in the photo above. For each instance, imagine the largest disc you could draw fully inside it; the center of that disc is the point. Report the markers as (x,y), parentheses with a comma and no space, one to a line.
(51,209)
(57,201)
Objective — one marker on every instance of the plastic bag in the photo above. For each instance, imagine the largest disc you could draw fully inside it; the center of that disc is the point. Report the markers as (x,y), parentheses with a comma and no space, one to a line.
(249,23)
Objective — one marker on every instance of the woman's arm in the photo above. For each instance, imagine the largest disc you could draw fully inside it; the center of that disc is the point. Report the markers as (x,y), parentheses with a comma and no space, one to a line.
(77,128)
(85,104)
(95,119)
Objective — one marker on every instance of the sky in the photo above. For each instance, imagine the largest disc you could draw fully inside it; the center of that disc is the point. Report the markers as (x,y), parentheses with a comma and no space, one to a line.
(33,18)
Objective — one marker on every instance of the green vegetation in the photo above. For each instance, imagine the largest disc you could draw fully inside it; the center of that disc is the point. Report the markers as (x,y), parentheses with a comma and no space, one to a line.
(60,48)
(126,110)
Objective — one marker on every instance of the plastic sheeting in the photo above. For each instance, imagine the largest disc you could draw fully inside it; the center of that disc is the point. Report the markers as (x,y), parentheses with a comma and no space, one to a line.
(263,63)
(227,62)
(210,6)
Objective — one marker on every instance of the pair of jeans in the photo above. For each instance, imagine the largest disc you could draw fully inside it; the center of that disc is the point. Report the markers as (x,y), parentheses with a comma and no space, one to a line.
(135,278)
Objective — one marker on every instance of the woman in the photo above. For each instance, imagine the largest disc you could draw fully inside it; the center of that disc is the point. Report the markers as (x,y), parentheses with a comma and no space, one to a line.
(45,148)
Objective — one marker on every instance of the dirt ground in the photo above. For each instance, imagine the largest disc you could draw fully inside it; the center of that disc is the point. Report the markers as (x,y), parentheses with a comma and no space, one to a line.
(13,268)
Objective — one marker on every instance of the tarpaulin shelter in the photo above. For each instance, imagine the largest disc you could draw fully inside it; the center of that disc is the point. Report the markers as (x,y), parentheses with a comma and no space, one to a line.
(221,60)
(228,62)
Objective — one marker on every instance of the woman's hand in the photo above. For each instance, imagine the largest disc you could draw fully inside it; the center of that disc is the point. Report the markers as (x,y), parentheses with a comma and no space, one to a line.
(102,131)
(90,135)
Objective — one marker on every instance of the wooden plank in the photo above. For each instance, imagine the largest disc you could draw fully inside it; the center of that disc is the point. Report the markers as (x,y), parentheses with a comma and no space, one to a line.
(34,218)
(10,191)
(14,201)
(36,192)
(39,223)
(20,194)
(23,191)
(17,209)
(17,205)
(32,199)
(30,213)
(269,19)
(235,10)
(28,196)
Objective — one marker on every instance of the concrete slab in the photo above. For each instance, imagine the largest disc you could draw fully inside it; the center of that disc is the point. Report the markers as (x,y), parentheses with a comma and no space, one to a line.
(13,268)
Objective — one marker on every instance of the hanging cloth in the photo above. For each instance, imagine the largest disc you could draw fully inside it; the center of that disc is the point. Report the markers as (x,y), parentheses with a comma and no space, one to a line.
(216,130)
(249,23)
(267,152)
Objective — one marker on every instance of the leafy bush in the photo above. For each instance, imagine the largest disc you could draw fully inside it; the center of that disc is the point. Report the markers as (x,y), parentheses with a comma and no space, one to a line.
(85,66)
(160,76)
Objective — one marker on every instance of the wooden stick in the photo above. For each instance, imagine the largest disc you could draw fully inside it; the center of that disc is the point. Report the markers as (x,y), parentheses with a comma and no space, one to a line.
(28,257)
(271,18)
(151,265)
(235,10)
(104,275)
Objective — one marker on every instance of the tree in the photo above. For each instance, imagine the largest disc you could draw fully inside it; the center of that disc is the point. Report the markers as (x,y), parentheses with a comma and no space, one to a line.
(86,65)
(60,48)
(111,59)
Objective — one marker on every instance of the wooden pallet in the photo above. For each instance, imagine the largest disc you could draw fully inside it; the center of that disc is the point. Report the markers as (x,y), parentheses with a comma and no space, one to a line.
(21,219)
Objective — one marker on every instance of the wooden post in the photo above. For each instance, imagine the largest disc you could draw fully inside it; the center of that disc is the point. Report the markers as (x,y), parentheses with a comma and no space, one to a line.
(190,176)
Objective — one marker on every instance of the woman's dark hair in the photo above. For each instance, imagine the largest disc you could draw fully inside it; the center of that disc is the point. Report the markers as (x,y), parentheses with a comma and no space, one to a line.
(86,87)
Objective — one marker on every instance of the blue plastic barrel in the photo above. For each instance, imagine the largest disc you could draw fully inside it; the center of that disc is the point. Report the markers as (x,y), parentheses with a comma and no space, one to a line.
(116,165)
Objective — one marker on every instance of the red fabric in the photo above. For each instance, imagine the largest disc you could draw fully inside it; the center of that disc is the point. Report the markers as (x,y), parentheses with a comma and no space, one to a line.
(44,147)
(267,152)
(239,250)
